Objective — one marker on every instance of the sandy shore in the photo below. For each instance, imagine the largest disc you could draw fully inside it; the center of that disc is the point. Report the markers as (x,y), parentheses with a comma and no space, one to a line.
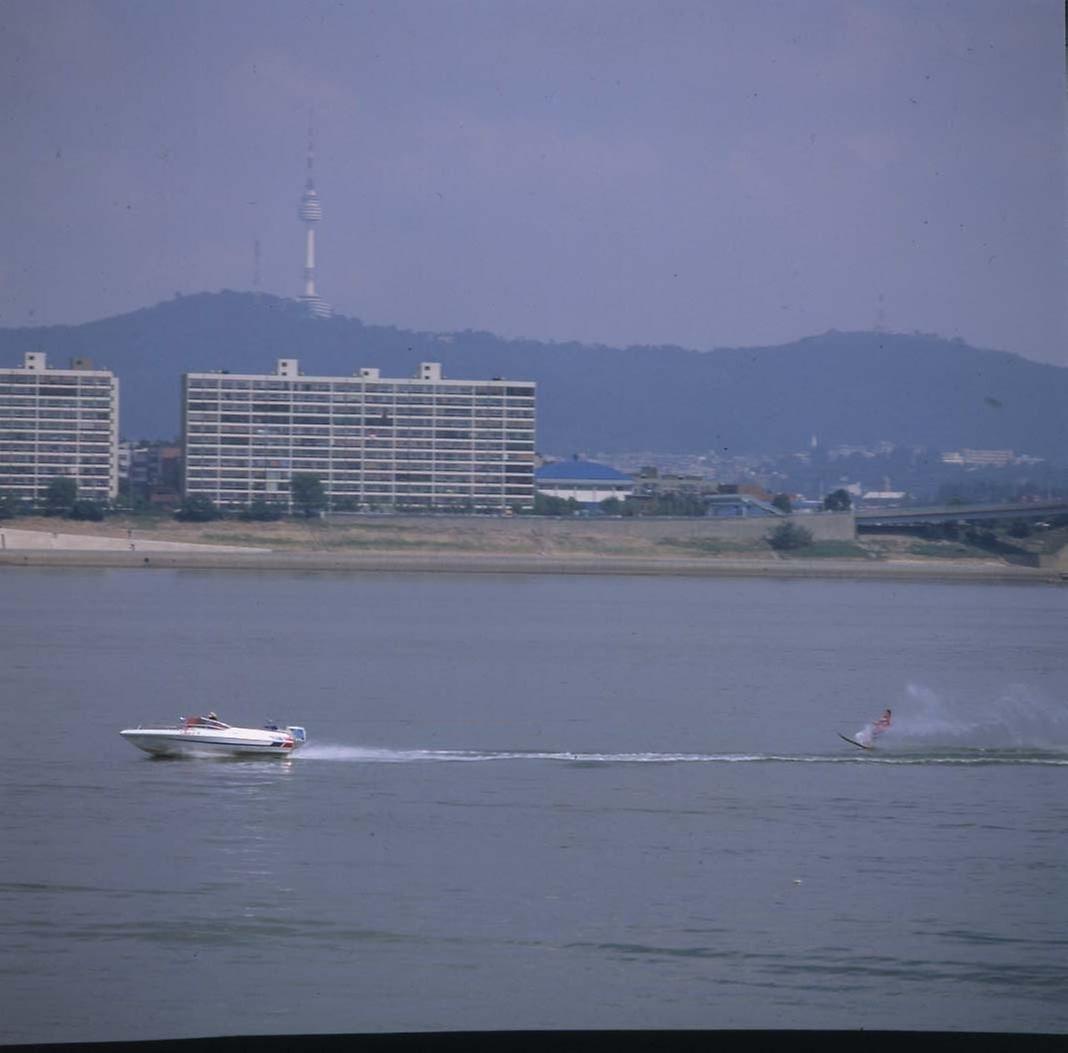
(18,540)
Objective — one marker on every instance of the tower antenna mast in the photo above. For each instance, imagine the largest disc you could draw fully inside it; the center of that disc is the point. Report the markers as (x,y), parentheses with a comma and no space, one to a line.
(310,213)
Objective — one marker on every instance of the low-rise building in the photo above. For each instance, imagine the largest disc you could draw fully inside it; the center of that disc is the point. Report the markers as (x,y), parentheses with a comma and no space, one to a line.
(584,481)
(739,504)
(652,482)
(979,458)
(151,469)
(58,423)
(883,498)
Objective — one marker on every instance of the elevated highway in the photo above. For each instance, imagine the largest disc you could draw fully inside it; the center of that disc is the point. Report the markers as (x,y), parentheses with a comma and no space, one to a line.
(889,518)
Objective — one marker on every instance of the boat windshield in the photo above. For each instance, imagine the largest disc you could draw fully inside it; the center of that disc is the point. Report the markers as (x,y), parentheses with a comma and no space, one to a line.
(204,722)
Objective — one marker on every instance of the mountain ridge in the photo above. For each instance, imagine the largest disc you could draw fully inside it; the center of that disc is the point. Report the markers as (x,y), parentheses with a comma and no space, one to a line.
(845,387)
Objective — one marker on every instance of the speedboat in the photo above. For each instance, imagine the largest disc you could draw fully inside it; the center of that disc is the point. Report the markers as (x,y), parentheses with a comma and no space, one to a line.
(210,737)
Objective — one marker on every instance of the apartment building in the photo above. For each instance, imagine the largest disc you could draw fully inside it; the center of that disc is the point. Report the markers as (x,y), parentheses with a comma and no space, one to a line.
(58,422)
(151,469)
(376,443)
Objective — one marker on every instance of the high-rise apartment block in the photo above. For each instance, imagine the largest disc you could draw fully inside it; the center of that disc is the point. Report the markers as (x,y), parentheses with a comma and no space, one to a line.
(423,443)
(58,422)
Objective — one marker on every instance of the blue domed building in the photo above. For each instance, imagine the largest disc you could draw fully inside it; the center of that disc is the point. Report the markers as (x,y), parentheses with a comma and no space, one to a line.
(587,482)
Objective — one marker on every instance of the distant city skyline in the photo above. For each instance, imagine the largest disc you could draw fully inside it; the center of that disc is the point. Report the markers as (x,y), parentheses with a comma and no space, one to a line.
(700,174)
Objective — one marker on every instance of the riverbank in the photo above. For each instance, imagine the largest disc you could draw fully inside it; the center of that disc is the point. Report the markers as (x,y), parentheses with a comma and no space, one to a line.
(470,563)
(695,549)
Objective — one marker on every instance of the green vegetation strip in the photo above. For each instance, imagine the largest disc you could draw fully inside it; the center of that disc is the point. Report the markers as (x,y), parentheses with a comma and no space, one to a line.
(705,546)
(829,550)
(945,551)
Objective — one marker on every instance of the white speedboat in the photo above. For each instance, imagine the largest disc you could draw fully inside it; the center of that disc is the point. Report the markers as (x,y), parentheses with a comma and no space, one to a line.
(210,737)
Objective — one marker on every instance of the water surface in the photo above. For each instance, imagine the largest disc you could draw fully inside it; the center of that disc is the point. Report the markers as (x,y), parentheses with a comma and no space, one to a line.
(532,803)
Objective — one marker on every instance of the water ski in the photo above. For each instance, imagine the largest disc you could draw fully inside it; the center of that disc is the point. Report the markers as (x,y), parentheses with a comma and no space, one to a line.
(853,742)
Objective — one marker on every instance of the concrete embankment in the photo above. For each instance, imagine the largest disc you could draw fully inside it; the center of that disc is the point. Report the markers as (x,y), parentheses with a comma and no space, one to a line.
(488,563)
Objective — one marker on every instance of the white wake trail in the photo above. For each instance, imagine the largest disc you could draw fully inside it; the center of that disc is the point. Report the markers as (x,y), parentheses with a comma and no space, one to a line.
(370,755)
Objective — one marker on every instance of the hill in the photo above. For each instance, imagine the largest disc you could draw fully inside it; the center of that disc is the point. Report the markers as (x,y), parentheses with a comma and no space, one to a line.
(856,388)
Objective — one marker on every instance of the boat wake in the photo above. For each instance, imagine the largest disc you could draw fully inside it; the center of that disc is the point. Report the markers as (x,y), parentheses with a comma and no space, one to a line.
(1014,727)
(368,755)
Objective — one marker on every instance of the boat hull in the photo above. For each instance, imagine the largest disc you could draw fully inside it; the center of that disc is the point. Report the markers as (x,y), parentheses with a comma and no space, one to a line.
(202,742)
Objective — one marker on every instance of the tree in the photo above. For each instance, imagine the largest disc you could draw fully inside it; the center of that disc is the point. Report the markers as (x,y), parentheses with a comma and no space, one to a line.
(788,536)
(545,505)
(60,496)
(672,504)
(88,510)
(197,510)
(612,506)
(981,537)
(838,501)
(782,503)
(307,492)
(261,511)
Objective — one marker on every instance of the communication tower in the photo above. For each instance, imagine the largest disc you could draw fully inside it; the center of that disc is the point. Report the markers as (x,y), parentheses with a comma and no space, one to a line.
(311,211)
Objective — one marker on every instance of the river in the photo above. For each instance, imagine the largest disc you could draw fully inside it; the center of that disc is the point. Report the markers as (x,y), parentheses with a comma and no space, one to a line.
(532,802)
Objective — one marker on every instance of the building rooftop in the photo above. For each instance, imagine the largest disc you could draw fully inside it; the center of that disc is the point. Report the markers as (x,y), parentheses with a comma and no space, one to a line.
(580,471)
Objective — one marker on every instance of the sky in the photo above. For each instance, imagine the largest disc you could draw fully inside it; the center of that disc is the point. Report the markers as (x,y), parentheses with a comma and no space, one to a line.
(708,174)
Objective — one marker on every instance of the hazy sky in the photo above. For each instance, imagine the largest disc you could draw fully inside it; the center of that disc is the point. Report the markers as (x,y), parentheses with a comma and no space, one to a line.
(708,173)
